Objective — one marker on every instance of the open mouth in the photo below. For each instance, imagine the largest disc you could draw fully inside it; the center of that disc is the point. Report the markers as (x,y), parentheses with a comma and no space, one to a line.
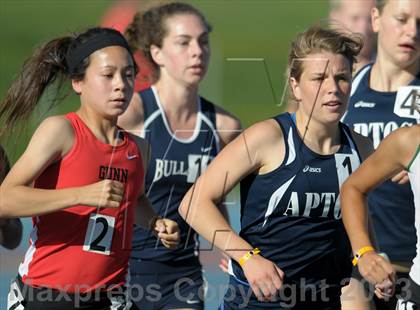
(333,103)
(197,68)
(408,47)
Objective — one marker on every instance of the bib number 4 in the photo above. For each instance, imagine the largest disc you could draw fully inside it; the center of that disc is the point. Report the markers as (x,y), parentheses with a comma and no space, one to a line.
(407,103)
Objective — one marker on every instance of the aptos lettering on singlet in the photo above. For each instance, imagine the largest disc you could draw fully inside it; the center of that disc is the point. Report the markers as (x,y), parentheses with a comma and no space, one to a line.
(316,205)
(378,130)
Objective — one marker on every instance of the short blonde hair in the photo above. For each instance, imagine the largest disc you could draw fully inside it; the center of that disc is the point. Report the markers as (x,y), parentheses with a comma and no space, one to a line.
(318,39)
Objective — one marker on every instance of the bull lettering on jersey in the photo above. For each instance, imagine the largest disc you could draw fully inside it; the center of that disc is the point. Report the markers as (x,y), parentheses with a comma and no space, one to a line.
(316,205)
(166,168)
(191,170)
(378,130)
(115,174)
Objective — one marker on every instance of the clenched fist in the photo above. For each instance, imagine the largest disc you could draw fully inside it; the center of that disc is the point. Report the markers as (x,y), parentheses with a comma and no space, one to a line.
(104,194)
(168,232)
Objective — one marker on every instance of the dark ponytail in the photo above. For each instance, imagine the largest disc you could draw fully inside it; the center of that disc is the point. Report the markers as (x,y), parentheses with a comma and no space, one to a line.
(47,65)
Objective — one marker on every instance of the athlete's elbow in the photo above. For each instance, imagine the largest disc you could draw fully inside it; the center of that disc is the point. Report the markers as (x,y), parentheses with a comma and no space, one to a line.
(3,203)
(185,206)
(348,193)
(6,203)
(182,209)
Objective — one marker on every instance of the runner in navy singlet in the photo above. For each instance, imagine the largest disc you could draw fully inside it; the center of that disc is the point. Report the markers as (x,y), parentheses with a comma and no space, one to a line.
(292,250)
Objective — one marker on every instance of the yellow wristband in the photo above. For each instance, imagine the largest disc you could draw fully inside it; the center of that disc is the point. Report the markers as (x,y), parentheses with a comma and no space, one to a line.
(360,253)
(248,255)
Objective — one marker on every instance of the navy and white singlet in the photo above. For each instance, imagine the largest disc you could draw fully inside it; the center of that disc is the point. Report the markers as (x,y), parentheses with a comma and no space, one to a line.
(292,214)
(391,206)
(175,165)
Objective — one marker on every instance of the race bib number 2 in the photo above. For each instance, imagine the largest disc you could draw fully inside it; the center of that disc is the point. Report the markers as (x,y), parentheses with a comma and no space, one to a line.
(407,103)
(99,233)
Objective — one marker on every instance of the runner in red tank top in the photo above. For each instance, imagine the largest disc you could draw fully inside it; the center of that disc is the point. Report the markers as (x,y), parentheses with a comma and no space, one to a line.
(88,177)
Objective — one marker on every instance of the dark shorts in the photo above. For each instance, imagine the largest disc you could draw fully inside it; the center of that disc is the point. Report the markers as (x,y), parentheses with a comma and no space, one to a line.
(25,297)
(239,295)
(159,286)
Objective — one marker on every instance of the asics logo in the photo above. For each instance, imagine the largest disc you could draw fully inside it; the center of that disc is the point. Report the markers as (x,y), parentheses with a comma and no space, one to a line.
(311,169)
(364,104)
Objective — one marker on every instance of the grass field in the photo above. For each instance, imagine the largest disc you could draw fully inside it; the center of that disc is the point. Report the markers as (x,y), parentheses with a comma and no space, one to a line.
(251,88)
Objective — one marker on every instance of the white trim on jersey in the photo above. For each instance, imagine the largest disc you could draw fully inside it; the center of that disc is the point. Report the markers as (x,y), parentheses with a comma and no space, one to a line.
(230,272)
(292,152)
(355,84)
(215,134)
(278,194)
(24,266)
(148,121)
(275,198)
(165,121)
(358,78)
(352,145)
(15,298)
(230,268)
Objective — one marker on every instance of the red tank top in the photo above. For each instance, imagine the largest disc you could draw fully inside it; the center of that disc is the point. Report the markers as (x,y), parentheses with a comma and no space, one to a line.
(83,248)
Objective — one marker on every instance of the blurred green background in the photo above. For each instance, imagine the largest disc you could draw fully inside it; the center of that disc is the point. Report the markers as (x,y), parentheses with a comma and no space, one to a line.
(249,88)
(250,42)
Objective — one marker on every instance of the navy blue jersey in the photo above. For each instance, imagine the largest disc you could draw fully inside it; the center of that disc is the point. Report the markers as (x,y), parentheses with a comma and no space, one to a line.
(292,214)
(391,206)
(175,165)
